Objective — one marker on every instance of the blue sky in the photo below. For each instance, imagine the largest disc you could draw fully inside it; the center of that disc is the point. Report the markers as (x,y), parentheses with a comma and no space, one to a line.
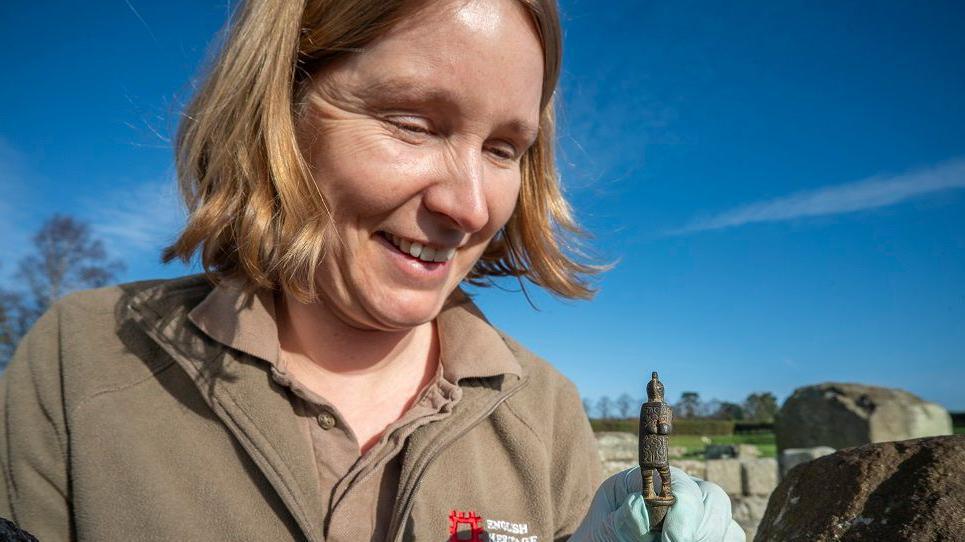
(782,183)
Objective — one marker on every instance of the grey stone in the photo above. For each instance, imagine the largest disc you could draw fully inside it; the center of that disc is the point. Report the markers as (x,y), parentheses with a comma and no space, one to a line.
(844,415)
(720,451)
(747,512)
(612,467)
(676,451)
(726,473)
(911,490)
(793,457)
(618,451)
(725,451)
(747,451)
(759,476)
(693,467)
(615,446)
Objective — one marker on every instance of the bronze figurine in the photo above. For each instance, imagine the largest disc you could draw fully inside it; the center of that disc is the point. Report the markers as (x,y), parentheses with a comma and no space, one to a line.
(656,418)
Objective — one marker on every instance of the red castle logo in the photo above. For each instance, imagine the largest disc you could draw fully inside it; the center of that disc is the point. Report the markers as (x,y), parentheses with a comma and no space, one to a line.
(466,519)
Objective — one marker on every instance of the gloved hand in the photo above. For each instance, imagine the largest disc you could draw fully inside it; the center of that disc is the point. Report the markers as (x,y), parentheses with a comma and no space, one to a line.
(618,513)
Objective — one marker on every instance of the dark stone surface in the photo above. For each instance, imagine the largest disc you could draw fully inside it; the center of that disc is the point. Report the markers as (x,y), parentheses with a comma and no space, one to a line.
(910,490)
(842,415)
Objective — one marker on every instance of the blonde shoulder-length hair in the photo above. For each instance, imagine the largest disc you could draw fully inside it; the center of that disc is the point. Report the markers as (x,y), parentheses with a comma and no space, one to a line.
(255,213)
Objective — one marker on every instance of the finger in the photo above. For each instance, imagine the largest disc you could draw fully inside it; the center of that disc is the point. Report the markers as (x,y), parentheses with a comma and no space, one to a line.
(685,515)
(632,480)
(631,522)
(595,525)
(716,512)
(680,481)
(607,499)
(735,533)
(623,483)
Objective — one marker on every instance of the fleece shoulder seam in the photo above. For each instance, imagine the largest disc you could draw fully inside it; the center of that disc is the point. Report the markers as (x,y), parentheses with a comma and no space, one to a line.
(518,416)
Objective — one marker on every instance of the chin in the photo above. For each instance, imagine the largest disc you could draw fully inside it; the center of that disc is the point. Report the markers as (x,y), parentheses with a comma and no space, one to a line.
(407,310)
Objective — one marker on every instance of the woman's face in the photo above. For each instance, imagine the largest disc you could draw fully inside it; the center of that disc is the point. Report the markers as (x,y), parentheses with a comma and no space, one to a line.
(416,144)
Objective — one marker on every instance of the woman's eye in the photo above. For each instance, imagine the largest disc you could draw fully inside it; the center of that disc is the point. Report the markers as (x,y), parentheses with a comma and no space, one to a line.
(504,152)
(410,126)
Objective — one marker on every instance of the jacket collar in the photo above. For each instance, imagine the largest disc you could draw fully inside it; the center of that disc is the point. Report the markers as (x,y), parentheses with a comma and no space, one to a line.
(245,321)
(257,411)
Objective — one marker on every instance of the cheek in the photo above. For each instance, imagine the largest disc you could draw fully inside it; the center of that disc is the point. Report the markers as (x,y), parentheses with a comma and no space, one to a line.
(503,198)
(363,172)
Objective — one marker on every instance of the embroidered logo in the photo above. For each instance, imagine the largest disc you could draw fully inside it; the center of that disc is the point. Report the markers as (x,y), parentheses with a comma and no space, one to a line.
(468,519)
(471,527)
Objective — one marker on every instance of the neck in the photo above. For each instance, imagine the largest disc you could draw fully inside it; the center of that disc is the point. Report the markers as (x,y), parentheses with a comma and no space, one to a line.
(314,337)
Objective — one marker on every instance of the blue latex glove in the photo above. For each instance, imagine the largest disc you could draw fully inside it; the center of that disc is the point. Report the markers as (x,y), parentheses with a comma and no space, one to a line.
(618,513)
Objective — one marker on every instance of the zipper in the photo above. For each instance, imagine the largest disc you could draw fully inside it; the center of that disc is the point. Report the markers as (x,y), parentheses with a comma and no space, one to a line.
(408,500)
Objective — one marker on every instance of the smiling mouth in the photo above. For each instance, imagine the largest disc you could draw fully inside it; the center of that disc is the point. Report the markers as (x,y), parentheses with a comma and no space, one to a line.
(419,251)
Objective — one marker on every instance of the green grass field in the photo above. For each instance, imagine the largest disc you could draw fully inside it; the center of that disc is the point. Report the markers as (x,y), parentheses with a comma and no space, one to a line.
(765,442)
(695,445)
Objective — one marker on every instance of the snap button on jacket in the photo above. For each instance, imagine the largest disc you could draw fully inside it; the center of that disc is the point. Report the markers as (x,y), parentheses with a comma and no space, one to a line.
(123,421)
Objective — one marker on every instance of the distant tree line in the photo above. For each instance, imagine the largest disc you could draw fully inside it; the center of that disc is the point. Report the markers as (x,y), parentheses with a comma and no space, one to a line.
(758,407)
(64,257)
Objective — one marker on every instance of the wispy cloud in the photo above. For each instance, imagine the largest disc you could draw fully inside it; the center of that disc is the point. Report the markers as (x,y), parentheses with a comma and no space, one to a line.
(15,206)
(607,122)
(869,193)
(139,219)
(135,220)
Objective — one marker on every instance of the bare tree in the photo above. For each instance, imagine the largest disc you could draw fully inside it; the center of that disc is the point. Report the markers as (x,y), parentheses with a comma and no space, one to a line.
(688,406)
(603,406)
(729,411)
(761,407)
(15,319)
(625,405)
(65,257)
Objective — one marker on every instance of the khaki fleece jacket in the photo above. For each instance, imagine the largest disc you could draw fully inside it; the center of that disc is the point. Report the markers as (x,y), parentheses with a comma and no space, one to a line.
(123,421)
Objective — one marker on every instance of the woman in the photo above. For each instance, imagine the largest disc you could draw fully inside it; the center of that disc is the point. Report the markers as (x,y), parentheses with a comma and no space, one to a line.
(347,164)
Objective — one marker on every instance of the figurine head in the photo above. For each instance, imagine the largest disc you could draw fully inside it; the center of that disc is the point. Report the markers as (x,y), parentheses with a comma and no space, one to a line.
(655,389)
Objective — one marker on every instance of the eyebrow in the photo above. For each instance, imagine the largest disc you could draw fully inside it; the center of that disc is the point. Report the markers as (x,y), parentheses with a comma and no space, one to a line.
(407,88)
(415,89)
(524,130)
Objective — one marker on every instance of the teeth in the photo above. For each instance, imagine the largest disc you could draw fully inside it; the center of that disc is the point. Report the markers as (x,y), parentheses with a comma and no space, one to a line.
(445,255)
(418,250)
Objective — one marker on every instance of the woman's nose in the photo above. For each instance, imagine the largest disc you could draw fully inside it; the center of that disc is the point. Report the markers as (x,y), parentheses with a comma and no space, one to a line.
(459,191)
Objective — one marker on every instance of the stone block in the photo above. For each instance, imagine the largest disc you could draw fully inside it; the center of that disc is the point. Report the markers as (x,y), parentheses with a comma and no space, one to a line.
(842,415)
(747,512)
(693,467)
(759,476)
(612,467)
(908,490)
(747,451)
(616,446)
(793,457)
(726,473)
